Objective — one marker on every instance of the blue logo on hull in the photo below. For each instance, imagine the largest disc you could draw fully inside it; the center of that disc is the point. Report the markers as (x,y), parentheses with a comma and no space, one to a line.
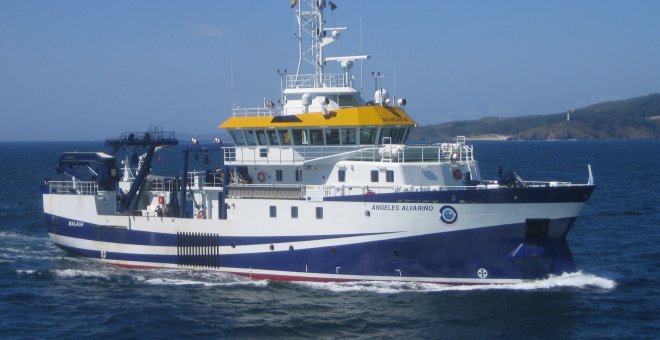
(448,214)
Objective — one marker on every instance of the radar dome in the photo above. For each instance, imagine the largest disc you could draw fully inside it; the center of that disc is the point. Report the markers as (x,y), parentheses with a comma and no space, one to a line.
(380,96)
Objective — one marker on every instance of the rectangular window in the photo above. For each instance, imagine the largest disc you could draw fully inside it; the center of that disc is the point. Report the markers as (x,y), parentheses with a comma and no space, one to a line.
(249,137)
(385,132)
(367,135)
(319,213)
(261,137)
(341,175)
(298,175)
(285,137)
(278,175)
(374,176)
(294,212)
(238,137)
(389,175)
(263,152)
(272,137)
(316,136)
(347,136)
(300,137)
(273,211)
(332,136)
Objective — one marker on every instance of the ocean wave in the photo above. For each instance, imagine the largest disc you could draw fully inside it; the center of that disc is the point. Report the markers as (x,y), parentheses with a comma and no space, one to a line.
(577,280)
(197,278)
(186,282)
(78,273)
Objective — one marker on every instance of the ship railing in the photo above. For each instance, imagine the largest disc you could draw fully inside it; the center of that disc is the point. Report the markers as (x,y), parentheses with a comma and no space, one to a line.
(199,179)
(548,184)
(159,183)
(287,191)
(304,81)
(256,111)
(365,153)
(73,187)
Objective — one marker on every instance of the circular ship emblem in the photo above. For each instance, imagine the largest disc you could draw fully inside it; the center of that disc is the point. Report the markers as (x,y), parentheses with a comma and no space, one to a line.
(448,214)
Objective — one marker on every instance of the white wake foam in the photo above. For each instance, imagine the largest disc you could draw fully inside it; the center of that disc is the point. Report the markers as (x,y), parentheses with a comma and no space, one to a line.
(184,282)
(77,273)
(577,280)
(197,278)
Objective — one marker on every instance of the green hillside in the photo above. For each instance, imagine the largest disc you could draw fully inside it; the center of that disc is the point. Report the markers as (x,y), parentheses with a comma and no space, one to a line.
(625,119)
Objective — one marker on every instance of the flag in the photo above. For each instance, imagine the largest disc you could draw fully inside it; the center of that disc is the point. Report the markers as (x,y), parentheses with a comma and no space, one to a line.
(294,3)
(332,5)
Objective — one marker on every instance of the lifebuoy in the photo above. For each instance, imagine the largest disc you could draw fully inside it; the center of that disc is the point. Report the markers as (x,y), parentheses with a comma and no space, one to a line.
(201,215)
(261,176)
(457,173)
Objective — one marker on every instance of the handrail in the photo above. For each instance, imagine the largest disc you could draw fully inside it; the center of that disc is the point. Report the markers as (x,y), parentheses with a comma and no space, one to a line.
(73,187)
(365,153)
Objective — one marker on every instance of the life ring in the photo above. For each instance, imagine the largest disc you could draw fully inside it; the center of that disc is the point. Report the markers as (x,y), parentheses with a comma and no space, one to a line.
(457,173)
(201,215)
(261,176)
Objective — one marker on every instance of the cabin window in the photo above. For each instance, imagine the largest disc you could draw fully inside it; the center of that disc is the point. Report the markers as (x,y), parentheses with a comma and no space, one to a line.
(319,213)
(298,175)
(389,176)
(273,211)
(374,176)
(300,137)
(285,137)
(272,137)
(397,135)
(294,212)
(341,175)
(405,135)
(347,136)
(385,132)
(249,137)
(367,135)
(332,136)
(238,137)
(316,136)
(278,175)
(261,137)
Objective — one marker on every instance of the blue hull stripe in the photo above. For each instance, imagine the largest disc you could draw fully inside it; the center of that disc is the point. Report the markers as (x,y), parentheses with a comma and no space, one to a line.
(60,226)
(502,250)
(480,196)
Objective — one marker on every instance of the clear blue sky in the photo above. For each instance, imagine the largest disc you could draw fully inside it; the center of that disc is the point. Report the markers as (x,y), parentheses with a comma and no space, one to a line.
(88,70)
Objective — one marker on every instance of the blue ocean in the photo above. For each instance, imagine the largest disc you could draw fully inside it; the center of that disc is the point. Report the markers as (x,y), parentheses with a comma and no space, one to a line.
(44,293)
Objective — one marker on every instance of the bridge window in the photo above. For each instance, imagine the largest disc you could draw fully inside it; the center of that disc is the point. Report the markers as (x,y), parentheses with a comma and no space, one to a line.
(261,137)
(374,176)
(389,175)
(316,136)
(298,175)
(300,137)
(294,212)
(332,136)
(273,211)
(249,137)
(396,133)
(319,213)
(238,137)
(341,174)
(285,137)
(367,135)
(278,175)
(348,136)
(272,137)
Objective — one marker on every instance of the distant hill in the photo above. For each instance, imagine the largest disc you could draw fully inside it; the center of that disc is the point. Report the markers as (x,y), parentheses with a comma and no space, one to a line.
(633,118)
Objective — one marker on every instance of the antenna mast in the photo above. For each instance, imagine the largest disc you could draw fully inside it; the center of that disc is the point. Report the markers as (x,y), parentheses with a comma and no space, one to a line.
(311,26)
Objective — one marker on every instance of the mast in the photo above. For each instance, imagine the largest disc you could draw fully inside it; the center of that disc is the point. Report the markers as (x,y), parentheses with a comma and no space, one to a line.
(311,26)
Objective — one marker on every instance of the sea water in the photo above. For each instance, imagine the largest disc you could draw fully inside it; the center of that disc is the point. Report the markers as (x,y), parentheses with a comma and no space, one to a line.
(616,292)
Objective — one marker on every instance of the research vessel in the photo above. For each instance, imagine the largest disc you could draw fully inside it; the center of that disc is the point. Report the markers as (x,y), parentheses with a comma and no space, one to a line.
(320,186)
